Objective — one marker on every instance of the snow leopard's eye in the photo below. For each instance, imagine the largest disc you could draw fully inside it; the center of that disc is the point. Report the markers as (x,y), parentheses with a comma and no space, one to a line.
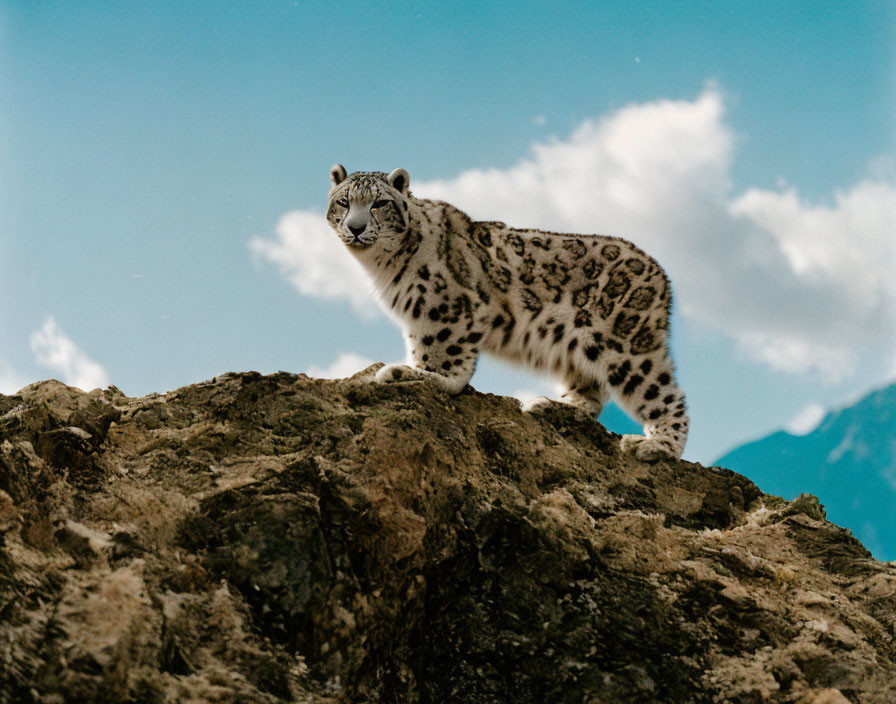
(342,202)
(381,203)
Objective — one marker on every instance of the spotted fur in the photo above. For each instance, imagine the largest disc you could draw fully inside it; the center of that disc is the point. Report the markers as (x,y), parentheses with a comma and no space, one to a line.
(589,309)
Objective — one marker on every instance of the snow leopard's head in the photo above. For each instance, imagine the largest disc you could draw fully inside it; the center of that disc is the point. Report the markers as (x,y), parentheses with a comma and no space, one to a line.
(368,206)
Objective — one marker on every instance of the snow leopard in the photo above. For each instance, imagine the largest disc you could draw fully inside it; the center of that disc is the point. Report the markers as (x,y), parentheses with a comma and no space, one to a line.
(591,310)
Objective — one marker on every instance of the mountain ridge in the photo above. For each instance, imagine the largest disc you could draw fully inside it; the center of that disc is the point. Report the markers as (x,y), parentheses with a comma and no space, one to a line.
(286,539)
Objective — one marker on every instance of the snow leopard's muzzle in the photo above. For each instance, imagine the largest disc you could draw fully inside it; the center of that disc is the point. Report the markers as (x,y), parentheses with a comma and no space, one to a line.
(368,207)
(361,225)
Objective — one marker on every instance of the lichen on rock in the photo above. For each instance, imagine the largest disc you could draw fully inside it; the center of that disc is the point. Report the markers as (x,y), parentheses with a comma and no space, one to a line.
(286,539)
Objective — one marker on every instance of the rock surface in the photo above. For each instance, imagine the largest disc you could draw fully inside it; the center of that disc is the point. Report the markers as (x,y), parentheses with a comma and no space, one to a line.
(285,539)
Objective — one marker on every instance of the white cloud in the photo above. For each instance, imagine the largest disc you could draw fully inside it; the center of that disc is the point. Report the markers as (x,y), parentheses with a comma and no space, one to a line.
(524,396)
(802,287)
(315,262)
(842,243)
(785,352)
(53,349)
(806,420)
(541,388)
(834,264)
(606,172)
(346,364)
(10,380)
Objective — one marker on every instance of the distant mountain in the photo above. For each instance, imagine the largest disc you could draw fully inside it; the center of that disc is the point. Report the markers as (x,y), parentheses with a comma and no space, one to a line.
(849,462)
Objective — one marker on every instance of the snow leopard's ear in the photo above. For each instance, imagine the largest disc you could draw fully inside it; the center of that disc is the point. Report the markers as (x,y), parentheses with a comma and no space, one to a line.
(337,174)
(399,180)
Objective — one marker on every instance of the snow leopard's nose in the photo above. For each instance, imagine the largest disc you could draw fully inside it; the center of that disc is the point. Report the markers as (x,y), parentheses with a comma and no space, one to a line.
(357,229)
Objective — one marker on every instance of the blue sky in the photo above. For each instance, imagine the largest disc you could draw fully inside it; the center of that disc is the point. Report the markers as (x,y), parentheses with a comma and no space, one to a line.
(146,145)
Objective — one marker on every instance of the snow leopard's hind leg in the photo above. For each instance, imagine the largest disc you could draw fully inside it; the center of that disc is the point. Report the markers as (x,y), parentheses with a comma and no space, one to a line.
(649,392)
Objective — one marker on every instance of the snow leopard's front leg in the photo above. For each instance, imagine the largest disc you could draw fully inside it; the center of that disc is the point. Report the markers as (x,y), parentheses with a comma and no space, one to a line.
(443,356)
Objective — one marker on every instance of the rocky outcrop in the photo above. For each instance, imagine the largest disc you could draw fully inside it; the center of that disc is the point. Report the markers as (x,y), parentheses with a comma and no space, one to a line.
(285,539)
